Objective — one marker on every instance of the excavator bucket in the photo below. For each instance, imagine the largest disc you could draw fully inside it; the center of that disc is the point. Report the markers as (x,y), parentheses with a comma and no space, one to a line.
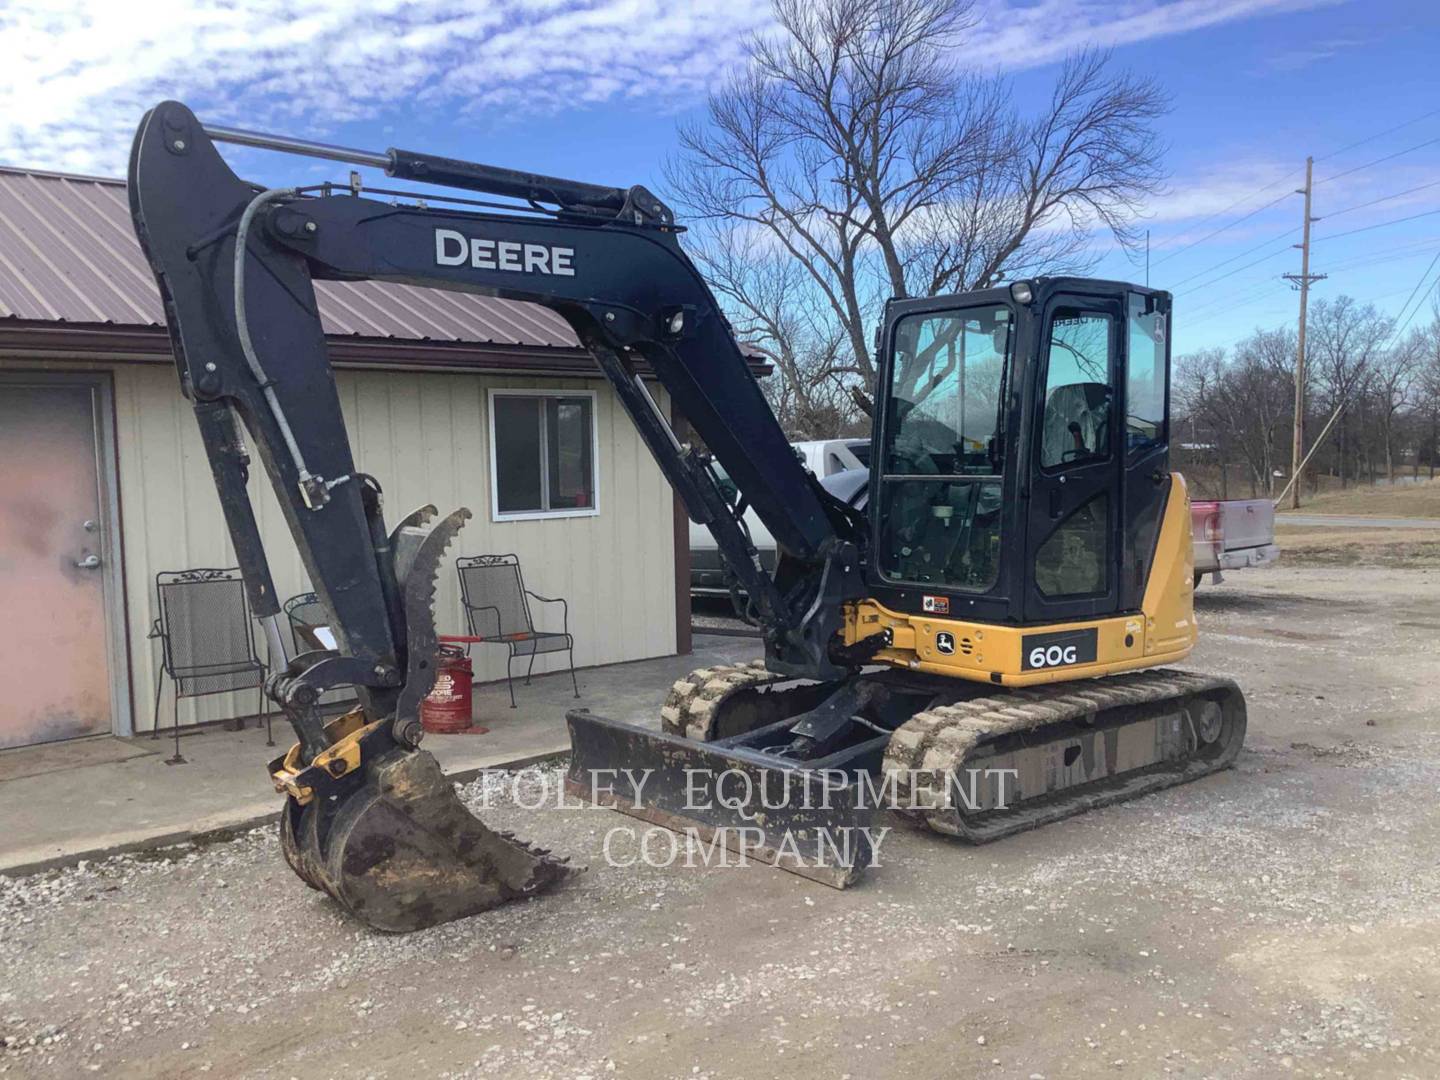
(375,823)
(397,849)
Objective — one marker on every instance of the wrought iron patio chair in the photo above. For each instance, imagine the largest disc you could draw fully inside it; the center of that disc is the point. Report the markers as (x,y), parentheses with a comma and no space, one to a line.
(497,607)
(307,615)
(207,641)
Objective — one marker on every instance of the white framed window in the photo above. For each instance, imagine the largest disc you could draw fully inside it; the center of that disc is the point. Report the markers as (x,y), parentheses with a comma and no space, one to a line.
(544,454)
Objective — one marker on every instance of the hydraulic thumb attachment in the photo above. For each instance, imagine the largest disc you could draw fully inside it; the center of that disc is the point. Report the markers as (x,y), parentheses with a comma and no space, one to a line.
(369,818)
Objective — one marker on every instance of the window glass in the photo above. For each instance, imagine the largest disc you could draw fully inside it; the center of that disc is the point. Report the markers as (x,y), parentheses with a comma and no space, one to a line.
(517,454)
(943,532)
(1145,378)
(1073,562)
(947,385)
(544,454)
(567,426)
(1078,396)
(940,497)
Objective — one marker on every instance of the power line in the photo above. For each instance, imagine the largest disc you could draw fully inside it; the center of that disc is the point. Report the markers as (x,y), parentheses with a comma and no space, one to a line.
(1243,199)
(1285,179)
(1232,273)
(1248,251)
(1256,290)
(1380,161)
(1377,297)
(1235,302)
(1413,250)
(1378,225)
(1378,135)
(1387,198)
(1224,228)
(1400,327)
(1409,250)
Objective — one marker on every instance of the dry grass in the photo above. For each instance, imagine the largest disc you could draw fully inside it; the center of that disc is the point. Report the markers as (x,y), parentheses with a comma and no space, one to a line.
(1348,546)
(1403,500)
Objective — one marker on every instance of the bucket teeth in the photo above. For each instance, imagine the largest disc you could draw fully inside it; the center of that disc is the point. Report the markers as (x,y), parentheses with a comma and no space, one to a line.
(422,637)
(401,852)
(392,843)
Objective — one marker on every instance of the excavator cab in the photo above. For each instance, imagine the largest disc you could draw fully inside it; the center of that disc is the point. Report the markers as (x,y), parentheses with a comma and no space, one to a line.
(1020,466)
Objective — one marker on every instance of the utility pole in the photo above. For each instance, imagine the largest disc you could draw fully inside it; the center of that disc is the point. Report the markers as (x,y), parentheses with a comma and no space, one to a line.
(1301,281)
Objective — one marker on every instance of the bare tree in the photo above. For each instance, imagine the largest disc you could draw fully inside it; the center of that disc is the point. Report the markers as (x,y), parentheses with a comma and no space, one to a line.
(1343,339)
(1394,377)
(1428,382)
(1258,400)
(1199,405)
(774,314)
(853,147)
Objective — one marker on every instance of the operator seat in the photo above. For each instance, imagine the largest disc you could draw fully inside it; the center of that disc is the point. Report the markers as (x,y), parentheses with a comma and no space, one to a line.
(1076,424)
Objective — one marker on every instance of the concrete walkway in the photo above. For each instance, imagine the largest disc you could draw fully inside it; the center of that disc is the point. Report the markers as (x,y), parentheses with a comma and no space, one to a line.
(1356,521)
(118,794)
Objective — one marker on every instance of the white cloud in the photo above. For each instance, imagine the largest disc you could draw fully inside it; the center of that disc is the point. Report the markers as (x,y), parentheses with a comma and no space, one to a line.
(1020,35)
(79,73)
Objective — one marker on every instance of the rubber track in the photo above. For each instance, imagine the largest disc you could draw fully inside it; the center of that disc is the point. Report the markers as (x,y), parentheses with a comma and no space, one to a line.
(694,701)
(932,745)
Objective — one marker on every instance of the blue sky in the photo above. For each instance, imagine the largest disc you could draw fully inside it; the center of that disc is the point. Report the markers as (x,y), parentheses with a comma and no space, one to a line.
(594,90)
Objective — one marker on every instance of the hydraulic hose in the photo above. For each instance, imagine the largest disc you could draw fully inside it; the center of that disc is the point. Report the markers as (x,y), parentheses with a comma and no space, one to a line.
(242,329)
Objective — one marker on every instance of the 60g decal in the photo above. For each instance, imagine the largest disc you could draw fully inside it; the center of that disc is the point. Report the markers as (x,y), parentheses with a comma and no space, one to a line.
(1040,656)
(1060,649)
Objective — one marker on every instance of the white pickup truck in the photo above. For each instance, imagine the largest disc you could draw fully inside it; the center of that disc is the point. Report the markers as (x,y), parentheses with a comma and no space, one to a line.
(823,457)
(1227,535)
(1232,535)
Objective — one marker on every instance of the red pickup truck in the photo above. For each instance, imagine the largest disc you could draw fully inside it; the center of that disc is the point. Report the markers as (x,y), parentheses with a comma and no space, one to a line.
(1232,535)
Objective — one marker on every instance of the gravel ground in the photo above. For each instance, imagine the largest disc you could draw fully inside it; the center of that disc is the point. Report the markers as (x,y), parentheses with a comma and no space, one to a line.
(1279,919)
(711,614)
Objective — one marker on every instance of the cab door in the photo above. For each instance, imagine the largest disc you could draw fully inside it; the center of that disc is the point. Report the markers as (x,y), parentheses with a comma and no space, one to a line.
(1072,548)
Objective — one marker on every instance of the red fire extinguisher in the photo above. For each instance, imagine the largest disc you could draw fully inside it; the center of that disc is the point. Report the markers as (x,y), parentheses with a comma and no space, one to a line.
(446,709)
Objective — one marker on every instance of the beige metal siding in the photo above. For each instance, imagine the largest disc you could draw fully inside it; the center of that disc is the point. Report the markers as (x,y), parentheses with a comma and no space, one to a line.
(426,438)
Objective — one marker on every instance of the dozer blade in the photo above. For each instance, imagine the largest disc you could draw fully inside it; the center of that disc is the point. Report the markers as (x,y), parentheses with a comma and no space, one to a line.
(810,819)
(397,849)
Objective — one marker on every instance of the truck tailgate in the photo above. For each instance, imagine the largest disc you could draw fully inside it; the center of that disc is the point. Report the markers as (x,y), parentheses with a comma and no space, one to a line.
(1247,523)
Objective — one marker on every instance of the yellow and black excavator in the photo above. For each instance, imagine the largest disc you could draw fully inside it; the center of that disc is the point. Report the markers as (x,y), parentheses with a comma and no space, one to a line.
(973,635)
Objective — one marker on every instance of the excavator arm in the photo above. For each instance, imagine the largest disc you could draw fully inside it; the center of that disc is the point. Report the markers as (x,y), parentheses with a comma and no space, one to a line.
(236,263)
(247,334)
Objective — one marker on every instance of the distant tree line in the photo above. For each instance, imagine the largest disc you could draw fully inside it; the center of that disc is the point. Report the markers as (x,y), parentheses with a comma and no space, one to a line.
(1233,410)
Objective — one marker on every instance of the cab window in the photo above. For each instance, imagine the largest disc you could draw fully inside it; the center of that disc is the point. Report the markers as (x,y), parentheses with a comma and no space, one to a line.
(1079,389)
(1145,376)
(943,447)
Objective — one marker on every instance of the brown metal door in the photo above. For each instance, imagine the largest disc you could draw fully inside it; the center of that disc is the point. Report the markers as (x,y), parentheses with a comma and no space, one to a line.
(52,599)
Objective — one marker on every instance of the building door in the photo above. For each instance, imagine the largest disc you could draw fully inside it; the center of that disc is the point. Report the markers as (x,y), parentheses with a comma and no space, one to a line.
(54,644)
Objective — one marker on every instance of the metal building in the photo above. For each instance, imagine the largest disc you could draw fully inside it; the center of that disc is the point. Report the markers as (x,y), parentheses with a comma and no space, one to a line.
(450,399)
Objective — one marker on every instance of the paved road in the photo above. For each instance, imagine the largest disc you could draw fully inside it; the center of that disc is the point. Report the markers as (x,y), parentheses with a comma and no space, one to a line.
(1357,521)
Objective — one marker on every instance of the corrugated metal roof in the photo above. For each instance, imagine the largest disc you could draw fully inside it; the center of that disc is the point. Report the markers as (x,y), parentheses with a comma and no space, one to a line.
(68,254)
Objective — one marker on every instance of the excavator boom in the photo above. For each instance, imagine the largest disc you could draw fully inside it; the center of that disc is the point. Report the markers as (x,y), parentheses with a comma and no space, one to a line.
(236,264)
